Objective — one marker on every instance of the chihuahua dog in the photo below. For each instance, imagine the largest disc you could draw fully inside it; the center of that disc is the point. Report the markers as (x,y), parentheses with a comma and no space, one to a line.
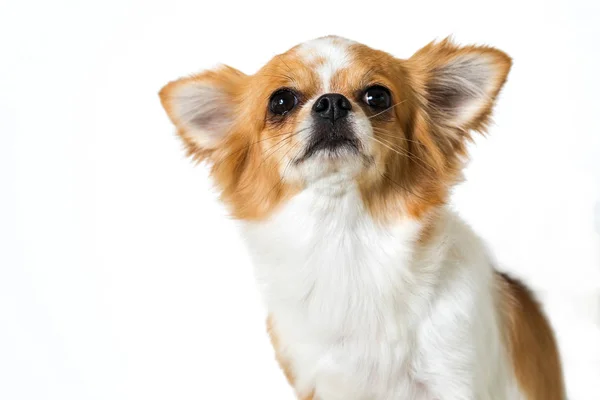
(338,160)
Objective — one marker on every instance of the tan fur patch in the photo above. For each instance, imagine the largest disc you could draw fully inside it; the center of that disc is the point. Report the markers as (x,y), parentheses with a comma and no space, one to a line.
(421,159)
(246,166)
(530,341)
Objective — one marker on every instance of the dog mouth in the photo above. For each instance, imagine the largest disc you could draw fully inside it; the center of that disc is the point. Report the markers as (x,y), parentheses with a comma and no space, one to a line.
(332,147)
(332,140)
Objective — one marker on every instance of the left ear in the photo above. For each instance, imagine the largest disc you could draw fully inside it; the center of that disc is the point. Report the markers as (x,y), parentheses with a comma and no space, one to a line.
(458,85)
(203,107)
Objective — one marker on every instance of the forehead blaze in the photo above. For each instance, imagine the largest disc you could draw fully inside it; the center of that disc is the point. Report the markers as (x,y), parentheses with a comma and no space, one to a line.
(326,56)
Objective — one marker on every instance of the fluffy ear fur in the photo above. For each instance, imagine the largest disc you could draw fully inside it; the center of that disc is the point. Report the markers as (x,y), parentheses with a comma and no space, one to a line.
(203,107)
(458,85)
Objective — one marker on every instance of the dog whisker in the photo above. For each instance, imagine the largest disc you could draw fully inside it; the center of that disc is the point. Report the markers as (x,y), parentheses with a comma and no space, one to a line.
(387,109)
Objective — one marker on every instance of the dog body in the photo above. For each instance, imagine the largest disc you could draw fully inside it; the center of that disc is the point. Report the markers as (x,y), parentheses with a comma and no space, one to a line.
(364,311)
(338,159)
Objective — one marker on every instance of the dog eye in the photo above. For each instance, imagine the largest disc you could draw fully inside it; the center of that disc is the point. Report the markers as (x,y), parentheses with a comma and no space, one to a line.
(282,102)
(377,97)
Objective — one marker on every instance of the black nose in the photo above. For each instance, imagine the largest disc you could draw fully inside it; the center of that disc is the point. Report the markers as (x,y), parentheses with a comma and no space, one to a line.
(332,106)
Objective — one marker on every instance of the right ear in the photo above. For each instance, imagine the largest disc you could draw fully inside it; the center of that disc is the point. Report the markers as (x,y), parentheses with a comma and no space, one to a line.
(203,107)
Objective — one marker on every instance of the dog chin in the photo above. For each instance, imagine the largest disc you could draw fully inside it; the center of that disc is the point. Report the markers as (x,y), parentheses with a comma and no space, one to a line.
(340,164)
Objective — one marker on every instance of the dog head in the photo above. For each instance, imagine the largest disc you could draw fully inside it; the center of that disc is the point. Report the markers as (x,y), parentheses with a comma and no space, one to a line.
(333,114)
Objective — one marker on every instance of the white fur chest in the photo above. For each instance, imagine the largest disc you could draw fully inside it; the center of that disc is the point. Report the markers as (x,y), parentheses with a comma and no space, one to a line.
(362,312)
(334,279)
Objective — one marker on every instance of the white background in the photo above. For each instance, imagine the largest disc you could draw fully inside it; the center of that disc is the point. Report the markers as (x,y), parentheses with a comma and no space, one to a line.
(121,276)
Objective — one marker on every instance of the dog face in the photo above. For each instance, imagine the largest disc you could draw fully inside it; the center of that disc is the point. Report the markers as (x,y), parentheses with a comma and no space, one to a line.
(332,114)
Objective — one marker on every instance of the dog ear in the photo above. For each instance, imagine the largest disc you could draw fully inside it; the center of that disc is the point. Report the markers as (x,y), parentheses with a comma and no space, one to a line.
(203,107)
(458,85)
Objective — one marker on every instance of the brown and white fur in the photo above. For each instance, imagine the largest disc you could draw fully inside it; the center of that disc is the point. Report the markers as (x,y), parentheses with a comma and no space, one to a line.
(375,289)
